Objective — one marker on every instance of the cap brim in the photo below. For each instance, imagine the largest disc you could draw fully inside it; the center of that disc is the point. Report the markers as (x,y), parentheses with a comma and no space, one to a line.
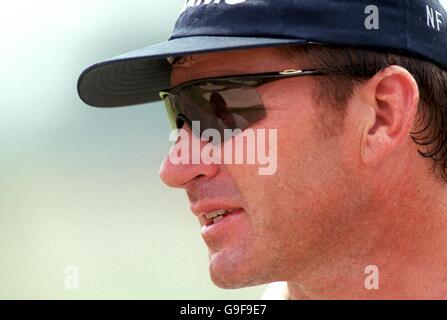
(138,76)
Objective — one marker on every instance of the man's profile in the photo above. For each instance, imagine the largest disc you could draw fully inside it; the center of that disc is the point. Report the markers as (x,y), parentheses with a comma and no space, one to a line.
(356,94)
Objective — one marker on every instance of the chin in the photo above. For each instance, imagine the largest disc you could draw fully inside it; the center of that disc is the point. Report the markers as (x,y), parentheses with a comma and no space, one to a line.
(234,270)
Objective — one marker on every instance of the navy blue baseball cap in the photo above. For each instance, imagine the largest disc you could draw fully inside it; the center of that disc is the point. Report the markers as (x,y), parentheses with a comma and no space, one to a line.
(411,27)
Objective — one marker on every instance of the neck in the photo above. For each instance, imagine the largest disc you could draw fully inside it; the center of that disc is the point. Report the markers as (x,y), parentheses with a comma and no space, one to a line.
(398,251)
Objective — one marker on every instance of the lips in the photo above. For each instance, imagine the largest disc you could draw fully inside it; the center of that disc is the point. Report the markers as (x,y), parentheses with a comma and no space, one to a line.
(212,213)
(214,217)
(226,222)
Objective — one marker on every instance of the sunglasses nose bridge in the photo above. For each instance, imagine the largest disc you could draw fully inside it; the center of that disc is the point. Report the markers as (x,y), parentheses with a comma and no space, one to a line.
(181,120)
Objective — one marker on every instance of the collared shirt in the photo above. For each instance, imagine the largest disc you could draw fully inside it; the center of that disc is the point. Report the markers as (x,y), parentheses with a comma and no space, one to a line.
(276,291)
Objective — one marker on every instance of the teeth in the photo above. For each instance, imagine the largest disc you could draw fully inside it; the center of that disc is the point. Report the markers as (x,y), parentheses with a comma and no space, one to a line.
(216,213)
(216,220)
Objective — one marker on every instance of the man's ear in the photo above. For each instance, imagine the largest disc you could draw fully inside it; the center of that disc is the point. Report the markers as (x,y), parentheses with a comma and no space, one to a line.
(391,101)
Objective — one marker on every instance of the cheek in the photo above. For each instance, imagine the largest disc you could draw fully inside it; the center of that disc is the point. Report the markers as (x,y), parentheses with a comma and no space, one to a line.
(299,203)
(298,161)
(300,193)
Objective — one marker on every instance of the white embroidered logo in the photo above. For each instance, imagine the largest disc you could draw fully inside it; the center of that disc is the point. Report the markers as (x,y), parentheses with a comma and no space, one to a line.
(195,3)
(434,17)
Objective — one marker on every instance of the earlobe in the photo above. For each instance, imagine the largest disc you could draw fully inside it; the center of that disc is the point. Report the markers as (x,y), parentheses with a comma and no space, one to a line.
(393,97)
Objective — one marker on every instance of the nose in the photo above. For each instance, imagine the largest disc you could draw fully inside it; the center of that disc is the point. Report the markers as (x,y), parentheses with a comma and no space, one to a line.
(178,175)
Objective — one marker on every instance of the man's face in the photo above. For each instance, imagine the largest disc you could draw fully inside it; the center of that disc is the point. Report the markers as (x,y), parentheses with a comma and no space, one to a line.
(295,217)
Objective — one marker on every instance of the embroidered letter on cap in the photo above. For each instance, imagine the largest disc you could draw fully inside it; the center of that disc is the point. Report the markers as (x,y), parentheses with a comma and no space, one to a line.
(195,3)
(434,18)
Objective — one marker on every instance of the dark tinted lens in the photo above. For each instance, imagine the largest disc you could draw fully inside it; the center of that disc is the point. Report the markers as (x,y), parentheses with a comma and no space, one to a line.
(196,108)
(222,105)
(217,105)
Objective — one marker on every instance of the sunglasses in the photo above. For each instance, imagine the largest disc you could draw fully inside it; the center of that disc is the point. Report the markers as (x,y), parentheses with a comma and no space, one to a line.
(221,103)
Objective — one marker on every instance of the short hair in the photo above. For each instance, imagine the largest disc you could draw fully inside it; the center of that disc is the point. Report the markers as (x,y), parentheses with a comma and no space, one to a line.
(362,64)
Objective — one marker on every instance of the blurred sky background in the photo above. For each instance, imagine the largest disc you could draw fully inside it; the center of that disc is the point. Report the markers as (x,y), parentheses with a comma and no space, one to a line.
(78,185)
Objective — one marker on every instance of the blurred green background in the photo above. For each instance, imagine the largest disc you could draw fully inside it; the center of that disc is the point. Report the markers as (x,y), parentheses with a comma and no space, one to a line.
(79,186)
